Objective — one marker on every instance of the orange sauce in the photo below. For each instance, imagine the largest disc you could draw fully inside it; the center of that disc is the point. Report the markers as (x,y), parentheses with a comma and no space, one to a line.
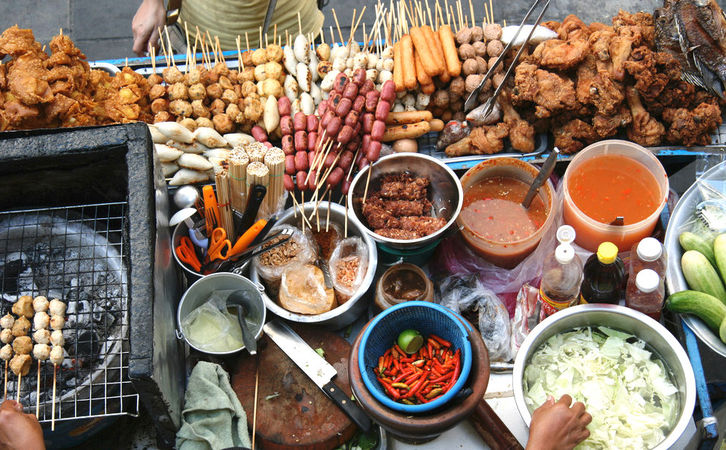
(609,186)
(493,210)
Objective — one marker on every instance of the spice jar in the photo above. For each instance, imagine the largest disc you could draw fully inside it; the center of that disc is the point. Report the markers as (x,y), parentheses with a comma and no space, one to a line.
(402,283)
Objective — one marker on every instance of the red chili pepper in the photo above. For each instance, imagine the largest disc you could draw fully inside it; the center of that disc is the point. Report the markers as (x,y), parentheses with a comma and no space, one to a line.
(420,397)
(457,369)
(398,349)
(441,341)
(433,343)
(406,360)
(443,378)
(402,376)
(397,365)
(392,391)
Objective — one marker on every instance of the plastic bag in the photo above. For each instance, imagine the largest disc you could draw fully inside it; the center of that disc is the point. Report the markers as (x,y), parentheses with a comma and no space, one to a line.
(327,241)
(468,296)
(300,249)
(302,290)
(348,265)
(211,327)
(526,315)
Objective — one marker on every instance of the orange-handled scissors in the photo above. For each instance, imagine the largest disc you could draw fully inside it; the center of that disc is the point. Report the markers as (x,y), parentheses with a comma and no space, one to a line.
(185,252)
(219,245)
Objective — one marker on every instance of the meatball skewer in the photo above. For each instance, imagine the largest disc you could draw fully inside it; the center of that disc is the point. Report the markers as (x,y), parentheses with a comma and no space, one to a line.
(6,352)
(57,310)
(41,350)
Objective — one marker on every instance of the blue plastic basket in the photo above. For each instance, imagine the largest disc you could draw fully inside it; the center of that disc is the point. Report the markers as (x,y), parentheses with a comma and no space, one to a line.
(427,318)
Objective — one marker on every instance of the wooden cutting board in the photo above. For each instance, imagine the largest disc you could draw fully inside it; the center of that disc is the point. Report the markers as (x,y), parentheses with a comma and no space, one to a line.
(292,412)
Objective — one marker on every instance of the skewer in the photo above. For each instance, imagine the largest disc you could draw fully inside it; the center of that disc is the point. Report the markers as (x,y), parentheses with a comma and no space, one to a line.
(5,395)
(254,408)
(352,24)
(486,12)
(219,48)
(345,233)
(368,181)
(360,17)
(299,23)
(247,41)
(240,64)
(491,11)
(37,394)
(52,420)
(332,36)
(188,54)
(20,384)
(302,211)
(163,48)
(299,206)
(337,25)
(169,47)
(504,23)
(327,217)
(317,216)
(259,45)
(274,34)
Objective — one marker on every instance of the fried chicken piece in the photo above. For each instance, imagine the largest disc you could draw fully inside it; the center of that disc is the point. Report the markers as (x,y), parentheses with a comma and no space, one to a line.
(3,76)
(606,125)
(573,136)
(17,113)
(600,43)
(642,66)
(643,20)
(561,55)
(376,214)
(27,80)
(63,44)
(573,28)
(644,129)
(488,139)
(692,127)
(677,93)
(403,187)
(521,133)
(549,91)
(16,42)
(596,87)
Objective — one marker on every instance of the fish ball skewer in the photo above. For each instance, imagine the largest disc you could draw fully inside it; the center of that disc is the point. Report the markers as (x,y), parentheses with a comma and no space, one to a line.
(41,320)
(21,327)
(7,321)
(40,304)
(57,308)
(41,352)
(24,307)
(56,355)
(6,336)
(43,336)
(23,345)
(57,339)
(57,322)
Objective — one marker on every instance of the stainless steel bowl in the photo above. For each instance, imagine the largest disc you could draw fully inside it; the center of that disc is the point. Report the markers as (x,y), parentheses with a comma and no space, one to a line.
(199,292)
(346,313)
(630,321)
(183,230)
(445,192)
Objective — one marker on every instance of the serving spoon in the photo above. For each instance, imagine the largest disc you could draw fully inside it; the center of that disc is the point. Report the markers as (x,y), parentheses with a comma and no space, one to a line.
(542,176)
(239,300)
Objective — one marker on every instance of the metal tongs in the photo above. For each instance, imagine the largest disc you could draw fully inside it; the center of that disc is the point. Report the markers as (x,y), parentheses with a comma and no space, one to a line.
(487,107)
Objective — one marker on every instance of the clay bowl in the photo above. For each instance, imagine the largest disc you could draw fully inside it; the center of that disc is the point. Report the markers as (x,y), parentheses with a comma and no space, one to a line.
(423,427)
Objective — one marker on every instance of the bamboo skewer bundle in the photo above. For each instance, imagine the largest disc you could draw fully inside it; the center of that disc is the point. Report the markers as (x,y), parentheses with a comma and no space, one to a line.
(237,175)
(258,173)
(224,203)
(256,152)
(275,162)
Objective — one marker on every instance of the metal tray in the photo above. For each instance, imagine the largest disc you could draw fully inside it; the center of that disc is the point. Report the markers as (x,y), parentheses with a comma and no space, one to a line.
(674,277)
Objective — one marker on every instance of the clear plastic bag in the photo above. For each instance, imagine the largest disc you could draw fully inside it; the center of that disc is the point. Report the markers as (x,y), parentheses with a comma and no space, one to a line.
(210,327)
(468,296)
(302,290)
(327,241)
(348,265)
(526,315)
(300,249)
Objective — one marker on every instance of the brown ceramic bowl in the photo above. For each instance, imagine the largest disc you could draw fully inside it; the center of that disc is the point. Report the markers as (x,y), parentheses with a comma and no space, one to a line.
(423,427)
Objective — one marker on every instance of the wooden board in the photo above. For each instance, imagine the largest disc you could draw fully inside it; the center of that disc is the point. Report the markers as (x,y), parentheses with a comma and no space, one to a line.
(297,415)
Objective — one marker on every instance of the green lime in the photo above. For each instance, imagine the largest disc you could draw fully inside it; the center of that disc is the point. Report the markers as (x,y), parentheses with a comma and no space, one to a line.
(410,341)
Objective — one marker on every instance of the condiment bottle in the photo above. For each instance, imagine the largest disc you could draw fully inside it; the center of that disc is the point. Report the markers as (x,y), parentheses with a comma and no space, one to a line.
(561,274)
(645,293)
(647,254)
(604,276)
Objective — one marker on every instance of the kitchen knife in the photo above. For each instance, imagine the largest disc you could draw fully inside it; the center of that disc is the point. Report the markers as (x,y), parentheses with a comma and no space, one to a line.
(316,368)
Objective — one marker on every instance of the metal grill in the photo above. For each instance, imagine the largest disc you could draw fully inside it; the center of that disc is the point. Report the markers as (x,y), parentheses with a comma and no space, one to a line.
(719,137)
(77,254)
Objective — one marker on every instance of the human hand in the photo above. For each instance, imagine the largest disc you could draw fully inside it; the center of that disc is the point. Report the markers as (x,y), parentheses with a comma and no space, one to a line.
(147,21)
(19,430)
(556,425)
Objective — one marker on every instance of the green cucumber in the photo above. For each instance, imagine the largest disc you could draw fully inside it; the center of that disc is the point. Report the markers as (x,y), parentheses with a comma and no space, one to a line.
(691,241)
(710,309)
(719,252)
(722,331)
(701,276)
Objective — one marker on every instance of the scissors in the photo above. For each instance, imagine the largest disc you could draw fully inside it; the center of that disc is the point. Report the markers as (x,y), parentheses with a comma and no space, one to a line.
(219,245)
(186,253)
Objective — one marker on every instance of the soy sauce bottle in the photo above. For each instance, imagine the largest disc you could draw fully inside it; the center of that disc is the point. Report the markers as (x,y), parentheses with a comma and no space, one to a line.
(604,276)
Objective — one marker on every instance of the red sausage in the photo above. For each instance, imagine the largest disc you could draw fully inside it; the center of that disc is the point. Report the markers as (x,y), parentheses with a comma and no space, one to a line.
(330,158)
(286,124)
(365,143)
(300,121)
(283,106)
(382,110)
(379,128)
(300,179)
(322,107)
(290,164)
(353,144)
(335,177)
(333,126)
(345,135)
(343,107)
(340,81)
(259,133)
(312,123)
(363,163)
(352,118)
(368,86)
(288,145)
(288,183)
(356,129)
(368,120)
(388,91)
(333,99)
(371,100)
(311,181)
(301,160)
(311,158)
(351,90)
(374,151)
(359,76)
(345,187)
(359,103)
(267,144)
(312,139)
(301,141)
(326,118)
(346,159)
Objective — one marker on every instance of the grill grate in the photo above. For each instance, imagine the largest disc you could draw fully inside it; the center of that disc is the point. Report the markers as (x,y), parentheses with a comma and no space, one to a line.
(77,254)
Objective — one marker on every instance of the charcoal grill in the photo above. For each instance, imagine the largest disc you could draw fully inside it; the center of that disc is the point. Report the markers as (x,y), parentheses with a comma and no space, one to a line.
(83,217)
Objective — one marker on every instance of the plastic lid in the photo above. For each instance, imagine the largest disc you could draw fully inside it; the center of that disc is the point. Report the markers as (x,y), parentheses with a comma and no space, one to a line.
(607,252)
(647,280)
(649,249)
(566,234)
(564,253)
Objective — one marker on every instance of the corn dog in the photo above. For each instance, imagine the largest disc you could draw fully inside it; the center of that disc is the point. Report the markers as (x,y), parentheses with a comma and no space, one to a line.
(397,69)
(451,56)
(409,66)
(421,75)
(445,77)
(410,131)
(418,36)
(403,117)
(436,52)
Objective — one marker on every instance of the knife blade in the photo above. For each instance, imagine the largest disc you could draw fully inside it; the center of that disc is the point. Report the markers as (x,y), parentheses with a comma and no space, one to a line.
(316,368)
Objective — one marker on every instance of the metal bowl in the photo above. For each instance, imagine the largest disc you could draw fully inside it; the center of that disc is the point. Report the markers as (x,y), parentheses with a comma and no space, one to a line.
(445,193)
(630,321)
(183,230)
(346,313)
(682,213)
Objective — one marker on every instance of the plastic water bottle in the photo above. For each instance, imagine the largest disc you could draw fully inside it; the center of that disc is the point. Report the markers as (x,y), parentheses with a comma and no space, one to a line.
(561,274)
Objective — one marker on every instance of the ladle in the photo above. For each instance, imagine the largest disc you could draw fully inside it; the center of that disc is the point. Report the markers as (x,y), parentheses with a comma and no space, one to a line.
(239,300)
(542,176)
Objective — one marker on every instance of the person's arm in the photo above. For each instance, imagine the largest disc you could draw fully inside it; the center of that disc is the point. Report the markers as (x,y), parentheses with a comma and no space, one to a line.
(557,425)
(18,430)
(150,16)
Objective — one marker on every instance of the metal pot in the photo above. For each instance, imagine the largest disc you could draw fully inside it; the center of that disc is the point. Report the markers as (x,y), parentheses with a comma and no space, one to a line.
(346,313)
(630,321)
(183,230)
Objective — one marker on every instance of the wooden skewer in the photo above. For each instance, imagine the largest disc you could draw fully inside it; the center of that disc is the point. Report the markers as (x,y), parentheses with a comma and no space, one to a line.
(491,11)
(471,11)
(240,64)
(163,48)
(219,49)
(188,54)
(274,34)
(247,41)
(368,181)
(299,206)
(504,22)
(327,218)
(337,25)
(254,408)
(299,23)
(168,44)
(5,396)
(37,394)
(317,216)
(20,385)
(345,233)
(52,420)
(486,13)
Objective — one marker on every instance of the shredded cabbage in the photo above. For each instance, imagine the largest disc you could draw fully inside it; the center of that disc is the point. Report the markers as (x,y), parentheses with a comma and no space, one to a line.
(624,387)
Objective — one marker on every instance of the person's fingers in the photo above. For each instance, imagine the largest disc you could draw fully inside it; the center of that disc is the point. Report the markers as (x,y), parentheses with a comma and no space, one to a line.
(582,435)
(550,400)
(153,40)
(585,419)
(140,41)
(12,405)
(578,408)
(566,399)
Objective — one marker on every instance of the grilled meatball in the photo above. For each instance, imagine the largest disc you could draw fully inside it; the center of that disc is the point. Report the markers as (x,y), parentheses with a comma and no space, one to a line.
(57,308)
(40,304)
(57,322)
(56,355)
(20,364)
(24,307)
(23,345)
(41,320)
(41,352)
(6,352)
(57,339)
(42,336)
(7,321)
(21,327)
(6,336)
